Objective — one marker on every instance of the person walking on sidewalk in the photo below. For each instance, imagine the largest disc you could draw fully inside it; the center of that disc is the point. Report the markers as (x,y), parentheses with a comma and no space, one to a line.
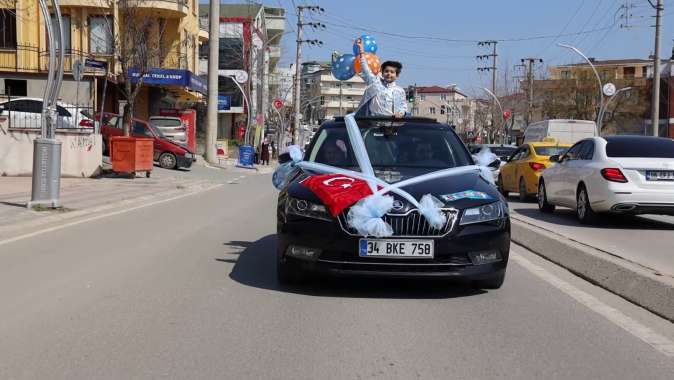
(264,152)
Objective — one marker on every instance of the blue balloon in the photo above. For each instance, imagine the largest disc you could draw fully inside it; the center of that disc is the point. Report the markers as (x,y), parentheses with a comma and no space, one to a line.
(369,45)
(342,67)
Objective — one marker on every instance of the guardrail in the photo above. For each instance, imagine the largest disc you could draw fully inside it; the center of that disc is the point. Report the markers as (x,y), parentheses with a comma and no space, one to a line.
(27,58)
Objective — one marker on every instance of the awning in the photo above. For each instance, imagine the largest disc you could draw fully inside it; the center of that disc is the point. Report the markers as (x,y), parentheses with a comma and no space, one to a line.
(170,77)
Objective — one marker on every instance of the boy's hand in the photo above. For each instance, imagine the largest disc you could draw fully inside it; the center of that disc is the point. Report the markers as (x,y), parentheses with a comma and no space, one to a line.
(359,42)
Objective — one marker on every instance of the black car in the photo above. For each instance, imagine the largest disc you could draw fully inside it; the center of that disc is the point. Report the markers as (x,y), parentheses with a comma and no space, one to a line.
(473,245)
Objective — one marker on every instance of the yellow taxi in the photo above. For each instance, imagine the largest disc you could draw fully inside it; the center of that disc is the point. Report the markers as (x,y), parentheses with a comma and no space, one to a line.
(520,174)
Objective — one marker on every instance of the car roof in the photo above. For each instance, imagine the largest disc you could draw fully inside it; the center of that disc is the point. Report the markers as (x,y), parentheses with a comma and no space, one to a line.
(165,117)
(639,138)
(58,102)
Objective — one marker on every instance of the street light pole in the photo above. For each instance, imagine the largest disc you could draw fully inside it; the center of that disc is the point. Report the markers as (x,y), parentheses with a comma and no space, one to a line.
(500,107)
(212,103)
(596,74)
(655,106)
(46,177)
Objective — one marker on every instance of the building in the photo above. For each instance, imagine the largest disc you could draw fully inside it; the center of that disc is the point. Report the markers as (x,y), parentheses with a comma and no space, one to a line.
(250,40)
(94,30)
(323,96)
(447,105)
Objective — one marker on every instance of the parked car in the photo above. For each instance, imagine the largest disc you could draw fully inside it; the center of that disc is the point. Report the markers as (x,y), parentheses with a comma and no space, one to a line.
(473,244)
(172,127)
(616,174)
(523,169)
(27,113)
(169,154)
(565,131)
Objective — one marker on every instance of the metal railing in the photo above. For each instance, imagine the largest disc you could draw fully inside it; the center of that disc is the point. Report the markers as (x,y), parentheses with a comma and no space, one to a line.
(27,58)
(27,115)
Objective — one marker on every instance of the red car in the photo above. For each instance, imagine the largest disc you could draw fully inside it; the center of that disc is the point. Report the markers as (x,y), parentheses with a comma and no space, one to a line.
(169,154)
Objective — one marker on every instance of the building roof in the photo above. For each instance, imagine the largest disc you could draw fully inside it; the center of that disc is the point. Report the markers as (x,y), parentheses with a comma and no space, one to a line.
(437,90)
(234,10)
(611,62)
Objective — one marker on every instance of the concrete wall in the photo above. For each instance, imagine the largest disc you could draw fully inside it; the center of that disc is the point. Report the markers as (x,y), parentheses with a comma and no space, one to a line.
(81,154)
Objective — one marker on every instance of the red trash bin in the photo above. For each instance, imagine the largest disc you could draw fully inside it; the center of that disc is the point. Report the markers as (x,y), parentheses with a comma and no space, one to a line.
(132,155)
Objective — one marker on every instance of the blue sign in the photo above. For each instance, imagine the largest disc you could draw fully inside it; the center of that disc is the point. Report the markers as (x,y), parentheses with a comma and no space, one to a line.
(246,156)
(174,77)
(224,102)
(96,64)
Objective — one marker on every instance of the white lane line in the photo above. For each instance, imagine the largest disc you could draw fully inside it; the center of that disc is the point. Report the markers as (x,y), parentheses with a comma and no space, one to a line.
(650,337)
(101,216)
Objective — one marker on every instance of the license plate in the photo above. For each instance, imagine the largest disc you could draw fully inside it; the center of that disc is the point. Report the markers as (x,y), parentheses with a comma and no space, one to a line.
(396,248)
(660,175)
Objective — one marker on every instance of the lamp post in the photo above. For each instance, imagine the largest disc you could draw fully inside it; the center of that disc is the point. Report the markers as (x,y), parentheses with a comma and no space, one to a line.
(596,74)
(500,107)
(46,178)
(602,111)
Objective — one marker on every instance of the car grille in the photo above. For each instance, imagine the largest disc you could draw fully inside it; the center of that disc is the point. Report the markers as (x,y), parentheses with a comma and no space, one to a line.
(410,224)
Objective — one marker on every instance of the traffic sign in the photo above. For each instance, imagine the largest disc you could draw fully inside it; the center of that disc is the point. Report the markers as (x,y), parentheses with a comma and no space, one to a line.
(507,114)
(78,70)
(609,89)
(95,64)
(278,104)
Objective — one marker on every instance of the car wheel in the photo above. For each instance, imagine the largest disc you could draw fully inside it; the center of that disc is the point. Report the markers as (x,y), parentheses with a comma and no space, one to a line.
(490,283)
(289,273)
(501,189)
(543,204)
(523,190)
(168,161)
(583,208)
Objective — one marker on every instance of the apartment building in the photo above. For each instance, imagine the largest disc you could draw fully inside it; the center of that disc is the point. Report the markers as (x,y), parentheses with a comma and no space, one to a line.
(324,97)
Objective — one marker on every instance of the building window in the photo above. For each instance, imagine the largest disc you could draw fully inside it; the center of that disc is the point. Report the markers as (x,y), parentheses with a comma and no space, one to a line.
(65,21)
(431,110)
(605,75)
(415,110)
(100,35)
(349,98)
(629,72)
(644,71)
(443,96)
(322,100)
(7,28)
(442,110)
(566,74)
(349,85)
(422,97)
(16,87)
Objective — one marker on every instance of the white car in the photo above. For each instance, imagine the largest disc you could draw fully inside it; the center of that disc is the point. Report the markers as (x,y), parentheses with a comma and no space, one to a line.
(172,127)
(27,113)
(614,174)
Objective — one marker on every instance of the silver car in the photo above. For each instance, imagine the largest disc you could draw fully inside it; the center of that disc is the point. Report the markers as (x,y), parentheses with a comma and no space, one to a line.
(172,127)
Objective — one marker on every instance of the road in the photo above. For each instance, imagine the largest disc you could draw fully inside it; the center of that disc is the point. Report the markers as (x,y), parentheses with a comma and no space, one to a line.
(188,290)
(646,240)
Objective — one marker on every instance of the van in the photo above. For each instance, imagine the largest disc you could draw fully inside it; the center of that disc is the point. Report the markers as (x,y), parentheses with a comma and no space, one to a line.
(564,131)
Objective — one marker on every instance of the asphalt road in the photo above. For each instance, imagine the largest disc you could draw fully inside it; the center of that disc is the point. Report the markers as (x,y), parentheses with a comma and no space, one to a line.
(647,240)
(188,290)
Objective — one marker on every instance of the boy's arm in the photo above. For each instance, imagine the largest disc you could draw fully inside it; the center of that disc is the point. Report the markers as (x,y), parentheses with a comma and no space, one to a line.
(365,71)
(400,101)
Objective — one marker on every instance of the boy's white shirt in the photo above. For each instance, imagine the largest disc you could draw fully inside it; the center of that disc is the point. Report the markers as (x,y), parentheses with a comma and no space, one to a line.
(387,98)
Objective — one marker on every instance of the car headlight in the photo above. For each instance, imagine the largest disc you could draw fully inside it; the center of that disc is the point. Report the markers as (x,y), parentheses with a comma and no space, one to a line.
(300,207)
(484,213)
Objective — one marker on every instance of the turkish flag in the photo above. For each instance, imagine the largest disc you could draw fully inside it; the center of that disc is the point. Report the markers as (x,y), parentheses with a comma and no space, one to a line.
(337,191)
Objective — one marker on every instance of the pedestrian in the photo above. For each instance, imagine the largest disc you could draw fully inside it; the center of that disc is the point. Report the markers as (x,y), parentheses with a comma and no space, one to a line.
(383,97)
(264,152)
(273,150)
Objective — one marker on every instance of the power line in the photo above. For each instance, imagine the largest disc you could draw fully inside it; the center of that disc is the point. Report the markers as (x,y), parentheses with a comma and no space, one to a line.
(582,3)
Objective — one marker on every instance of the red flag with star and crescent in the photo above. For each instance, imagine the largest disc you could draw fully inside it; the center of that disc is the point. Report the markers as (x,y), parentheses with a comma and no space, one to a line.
(337,191)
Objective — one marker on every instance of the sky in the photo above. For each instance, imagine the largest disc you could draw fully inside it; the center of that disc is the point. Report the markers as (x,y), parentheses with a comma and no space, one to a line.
(436,40)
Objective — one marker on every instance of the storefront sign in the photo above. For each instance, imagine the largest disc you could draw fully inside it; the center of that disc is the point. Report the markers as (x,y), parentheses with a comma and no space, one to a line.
(168,77)
(224,102)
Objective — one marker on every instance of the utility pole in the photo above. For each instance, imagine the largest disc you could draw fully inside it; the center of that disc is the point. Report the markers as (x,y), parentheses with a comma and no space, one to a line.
(530,80)
(298,57)
(491,68)
(212,110)
(341,111)
(655,99)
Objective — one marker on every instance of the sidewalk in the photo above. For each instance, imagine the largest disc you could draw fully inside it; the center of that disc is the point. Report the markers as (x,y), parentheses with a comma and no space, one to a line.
(83,197)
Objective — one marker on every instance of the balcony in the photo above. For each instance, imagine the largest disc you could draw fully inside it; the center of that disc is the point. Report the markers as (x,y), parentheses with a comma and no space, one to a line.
(30,59)
(164,8)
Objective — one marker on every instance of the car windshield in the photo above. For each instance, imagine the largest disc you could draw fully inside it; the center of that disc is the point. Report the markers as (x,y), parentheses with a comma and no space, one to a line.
(157,131)
(503,151)
(550,150)
(411,146)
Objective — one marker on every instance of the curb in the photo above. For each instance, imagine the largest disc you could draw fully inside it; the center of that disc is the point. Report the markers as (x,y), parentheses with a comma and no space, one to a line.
(637,284)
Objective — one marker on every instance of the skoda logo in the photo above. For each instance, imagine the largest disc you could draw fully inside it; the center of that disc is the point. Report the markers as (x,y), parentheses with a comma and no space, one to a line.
(398,205)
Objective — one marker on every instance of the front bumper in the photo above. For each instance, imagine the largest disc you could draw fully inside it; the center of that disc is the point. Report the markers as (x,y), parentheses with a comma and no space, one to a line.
(339,252)
(184,162)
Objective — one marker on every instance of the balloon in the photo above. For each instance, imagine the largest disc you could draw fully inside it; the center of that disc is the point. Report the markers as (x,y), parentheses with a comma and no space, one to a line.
(372,62)
(369,45)
(342,67)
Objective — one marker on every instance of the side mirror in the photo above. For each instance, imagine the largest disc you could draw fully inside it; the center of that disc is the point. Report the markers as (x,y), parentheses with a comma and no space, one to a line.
(555,158)
(283,158)
(495,164)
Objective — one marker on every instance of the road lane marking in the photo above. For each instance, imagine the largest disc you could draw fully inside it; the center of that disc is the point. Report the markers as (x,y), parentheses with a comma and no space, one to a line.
(101,216)
(647,335)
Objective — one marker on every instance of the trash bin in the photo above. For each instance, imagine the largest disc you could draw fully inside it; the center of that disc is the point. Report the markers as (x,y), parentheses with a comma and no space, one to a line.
(132,155)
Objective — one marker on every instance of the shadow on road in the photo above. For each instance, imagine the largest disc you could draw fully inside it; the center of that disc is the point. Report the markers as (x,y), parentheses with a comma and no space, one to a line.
(567,217)
(256,267)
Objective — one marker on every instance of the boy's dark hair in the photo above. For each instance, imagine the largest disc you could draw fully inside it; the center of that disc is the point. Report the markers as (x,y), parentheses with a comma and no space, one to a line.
(395,64)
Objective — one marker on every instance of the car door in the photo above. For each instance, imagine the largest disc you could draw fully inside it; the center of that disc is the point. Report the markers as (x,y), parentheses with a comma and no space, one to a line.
(521,166)
(508,171)
(567,178)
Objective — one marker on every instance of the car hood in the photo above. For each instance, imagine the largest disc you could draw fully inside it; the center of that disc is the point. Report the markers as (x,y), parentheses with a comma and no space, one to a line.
(177,144)
(458,191)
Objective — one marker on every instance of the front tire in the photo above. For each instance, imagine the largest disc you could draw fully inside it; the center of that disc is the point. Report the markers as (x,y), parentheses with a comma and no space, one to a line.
(168,161)
(584,210)
(543,204)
